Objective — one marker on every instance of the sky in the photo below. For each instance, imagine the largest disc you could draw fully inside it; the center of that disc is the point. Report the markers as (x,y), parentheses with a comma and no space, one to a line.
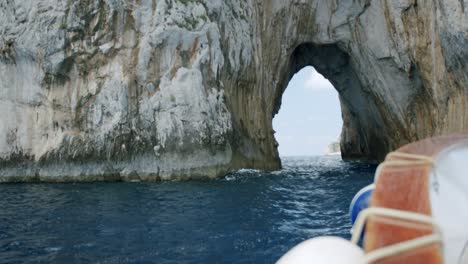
(310,115)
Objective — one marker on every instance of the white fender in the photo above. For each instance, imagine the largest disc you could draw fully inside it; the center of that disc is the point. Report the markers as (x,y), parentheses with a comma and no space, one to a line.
(324,250)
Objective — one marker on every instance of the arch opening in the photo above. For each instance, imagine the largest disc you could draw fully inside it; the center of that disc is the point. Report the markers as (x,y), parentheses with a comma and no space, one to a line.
(361,115)
(309,122)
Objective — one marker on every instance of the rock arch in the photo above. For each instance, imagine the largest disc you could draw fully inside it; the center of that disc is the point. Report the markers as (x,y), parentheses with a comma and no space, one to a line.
(387,62)
(361,116)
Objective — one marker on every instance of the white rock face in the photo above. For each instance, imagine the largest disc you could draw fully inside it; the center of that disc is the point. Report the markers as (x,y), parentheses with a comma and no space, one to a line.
(173,89)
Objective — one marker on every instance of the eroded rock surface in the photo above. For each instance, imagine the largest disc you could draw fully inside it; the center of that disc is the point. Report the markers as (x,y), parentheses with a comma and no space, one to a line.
(164,89)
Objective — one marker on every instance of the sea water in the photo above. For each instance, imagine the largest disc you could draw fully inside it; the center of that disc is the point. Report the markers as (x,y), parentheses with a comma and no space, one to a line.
(245,217)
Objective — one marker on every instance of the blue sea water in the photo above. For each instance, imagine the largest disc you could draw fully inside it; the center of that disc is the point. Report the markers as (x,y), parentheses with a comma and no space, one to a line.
(245,217)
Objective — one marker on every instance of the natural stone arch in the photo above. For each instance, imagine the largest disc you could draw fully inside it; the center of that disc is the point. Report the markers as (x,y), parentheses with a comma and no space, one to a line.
(361,117)
(393,57)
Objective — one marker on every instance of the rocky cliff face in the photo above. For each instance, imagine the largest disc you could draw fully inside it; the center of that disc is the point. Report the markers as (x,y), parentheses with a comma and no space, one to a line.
(163,89)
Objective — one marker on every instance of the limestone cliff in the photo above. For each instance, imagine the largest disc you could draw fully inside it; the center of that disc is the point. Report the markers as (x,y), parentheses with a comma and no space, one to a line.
(162,89)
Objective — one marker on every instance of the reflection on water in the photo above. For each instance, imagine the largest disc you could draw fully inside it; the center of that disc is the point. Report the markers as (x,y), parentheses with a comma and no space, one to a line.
(246,217)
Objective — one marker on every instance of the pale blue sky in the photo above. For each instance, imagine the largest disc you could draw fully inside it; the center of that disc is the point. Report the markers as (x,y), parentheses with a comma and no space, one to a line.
(310,115)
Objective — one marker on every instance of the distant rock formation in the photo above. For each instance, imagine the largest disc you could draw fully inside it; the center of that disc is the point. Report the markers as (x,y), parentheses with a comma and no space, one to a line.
(149,90)
(334,148)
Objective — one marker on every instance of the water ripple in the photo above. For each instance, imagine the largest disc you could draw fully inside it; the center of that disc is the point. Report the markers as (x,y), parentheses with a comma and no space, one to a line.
(245,217)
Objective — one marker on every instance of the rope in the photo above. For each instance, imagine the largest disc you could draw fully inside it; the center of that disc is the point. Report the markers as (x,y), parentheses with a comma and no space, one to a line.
(410,156)
(402,247)
(406,163)
(404,160)
(393,213)
(399,247)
